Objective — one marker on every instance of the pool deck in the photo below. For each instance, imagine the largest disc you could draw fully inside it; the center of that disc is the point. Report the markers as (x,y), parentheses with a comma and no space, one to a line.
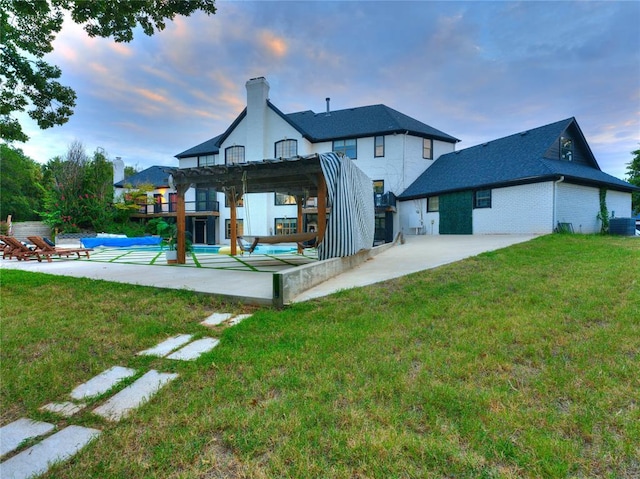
(250,278)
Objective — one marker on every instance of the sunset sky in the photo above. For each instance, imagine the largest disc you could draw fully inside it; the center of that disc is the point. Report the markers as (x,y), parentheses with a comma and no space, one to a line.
(475,70)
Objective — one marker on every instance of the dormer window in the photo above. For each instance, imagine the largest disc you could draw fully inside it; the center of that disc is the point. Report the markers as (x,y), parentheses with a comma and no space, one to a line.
(566,149)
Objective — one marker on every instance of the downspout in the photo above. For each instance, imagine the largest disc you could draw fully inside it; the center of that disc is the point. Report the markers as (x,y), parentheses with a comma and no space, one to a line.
(555,202)
(404,158)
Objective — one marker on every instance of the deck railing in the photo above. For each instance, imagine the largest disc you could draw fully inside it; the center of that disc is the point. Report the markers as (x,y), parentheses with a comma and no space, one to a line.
(190,207)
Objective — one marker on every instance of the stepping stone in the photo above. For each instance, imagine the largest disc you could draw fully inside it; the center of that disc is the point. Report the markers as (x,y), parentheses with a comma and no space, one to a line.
(216,318)
(37,459)
(238,318)
(101,383)
(165,347)
(194,350)
(15,433)
(133,395)
(65,409)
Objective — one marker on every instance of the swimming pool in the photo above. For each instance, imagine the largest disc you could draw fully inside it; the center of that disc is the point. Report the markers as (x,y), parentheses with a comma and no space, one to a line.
(214,249)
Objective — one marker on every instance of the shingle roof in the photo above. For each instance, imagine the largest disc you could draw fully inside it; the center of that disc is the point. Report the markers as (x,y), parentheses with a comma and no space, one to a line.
(339,124)
(154,175)
(209,147)
(514,159)
(362,121)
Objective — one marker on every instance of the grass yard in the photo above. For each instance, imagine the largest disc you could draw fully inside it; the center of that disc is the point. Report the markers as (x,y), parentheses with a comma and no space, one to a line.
(524,362)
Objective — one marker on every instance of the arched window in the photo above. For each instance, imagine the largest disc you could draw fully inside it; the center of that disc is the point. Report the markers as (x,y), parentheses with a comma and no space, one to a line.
(286,148)
(233,155)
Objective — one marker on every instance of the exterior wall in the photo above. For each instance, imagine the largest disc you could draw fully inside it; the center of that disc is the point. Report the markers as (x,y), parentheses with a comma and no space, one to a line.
(523,209)
(619,204)
(580,205)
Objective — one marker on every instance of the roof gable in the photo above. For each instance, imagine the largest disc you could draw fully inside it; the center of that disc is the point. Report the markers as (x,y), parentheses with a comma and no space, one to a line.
(154,175)
(524,157)
(209,147)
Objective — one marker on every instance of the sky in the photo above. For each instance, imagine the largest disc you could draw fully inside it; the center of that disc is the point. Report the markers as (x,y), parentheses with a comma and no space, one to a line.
(477,70)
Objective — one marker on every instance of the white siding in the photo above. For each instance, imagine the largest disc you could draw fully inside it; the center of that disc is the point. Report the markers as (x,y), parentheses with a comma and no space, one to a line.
(523,209)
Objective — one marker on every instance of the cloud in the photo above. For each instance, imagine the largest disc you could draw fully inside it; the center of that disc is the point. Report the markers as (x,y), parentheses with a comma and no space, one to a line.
(476,70)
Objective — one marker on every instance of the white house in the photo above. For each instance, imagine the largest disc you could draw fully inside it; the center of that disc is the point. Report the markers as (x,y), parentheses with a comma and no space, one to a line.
(533,182)
(391,148)
(527,183)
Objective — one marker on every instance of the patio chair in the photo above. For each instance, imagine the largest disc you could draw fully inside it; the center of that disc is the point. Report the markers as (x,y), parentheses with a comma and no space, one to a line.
(303,239)
(23,252)
(40,242)
(6,247)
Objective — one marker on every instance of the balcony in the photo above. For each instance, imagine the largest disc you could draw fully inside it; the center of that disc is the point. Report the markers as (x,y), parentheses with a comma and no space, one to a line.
(385,201)
(169,209)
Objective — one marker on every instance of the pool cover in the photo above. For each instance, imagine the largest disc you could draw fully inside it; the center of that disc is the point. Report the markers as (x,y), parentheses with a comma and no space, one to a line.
(120,242)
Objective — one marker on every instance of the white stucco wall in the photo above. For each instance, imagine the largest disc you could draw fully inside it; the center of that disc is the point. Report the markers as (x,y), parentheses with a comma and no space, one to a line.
(522,209)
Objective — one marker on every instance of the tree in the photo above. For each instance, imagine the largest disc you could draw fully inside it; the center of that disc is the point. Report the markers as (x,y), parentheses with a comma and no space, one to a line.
(27,30)
(130,171)
(80,191)
(21,190)
(633,170)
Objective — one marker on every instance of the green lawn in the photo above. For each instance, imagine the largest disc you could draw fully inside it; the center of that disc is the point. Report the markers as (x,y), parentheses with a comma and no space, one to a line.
(524,362)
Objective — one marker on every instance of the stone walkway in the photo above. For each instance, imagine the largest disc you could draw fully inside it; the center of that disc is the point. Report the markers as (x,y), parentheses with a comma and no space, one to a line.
(29,448)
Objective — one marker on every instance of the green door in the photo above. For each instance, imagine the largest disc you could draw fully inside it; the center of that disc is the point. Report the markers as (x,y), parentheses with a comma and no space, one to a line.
(456,213)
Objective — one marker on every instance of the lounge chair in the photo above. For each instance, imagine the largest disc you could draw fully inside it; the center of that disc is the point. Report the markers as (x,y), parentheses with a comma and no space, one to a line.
(22,252)
(303,239)
(40,242)
(6,247)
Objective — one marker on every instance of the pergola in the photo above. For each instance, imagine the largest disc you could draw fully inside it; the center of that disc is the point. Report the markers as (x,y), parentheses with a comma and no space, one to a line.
(300,177)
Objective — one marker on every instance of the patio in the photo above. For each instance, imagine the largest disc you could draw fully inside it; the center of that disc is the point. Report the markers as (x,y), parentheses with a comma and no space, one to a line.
(236,278)
(259,263)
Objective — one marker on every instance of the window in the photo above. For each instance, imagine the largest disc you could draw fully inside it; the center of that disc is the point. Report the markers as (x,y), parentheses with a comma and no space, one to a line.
(282,199)
(286,148)
(378,192)
(427,148)
(433,204)
(286,226)
(348,147)
(227,228)
(157,203)
(206,199)
(239,203)
(207,160)
(378,150)
(173,202)
(566,149)
(233,155)
(482,199)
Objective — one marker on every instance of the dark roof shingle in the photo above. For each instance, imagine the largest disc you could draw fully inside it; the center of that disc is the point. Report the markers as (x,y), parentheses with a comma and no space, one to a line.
(514,159)
(154,175)
(340,124)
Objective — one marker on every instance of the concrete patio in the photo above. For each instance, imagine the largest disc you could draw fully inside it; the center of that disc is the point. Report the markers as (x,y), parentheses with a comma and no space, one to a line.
(254,282)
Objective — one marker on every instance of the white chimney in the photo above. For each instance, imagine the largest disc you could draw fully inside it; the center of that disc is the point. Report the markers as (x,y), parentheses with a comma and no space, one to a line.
(118,169)
(257,96)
